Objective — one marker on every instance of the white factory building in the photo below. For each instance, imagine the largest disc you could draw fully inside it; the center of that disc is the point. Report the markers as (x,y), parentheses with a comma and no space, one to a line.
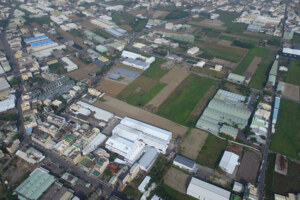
(70,65)
(193,50)
(229,162)
(206,191)
(93,145)
(137,60)
(130,138)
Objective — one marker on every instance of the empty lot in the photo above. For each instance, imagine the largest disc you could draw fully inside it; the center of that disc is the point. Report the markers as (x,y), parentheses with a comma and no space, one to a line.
(123,109)
(249,166)
(291,92)
(176,179)
(173,78)
(111,87)
(193,143)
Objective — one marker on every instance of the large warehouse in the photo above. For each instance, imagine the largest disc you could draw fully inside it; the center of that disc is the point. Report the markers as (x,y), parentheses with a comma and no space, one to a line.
(131,136)
(225,108)
(206,191)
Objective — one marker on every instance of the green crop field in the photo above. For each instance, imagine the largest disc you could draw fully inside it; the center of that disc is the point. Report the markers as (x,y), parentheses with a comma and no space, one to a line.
(286,139)
(280,184)
(293,75)
(225,37)
(260,77)
(212,151)
(296,38)
(182,101)
(155,71)
(141,91)
(123,18)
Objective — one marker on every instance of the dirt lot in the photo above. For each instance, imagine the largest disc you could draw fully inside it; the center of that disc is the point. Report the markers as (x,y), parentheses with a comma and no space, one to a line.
(83,70)
(176,179)
(253,66)
(291,91)
(16,172)
(123,109)
(173,78)
(225,42)
(216,24)
(137,12)
(88,25)
(158,14)
(111,87)
(126,27)
(193,143)
(249,166)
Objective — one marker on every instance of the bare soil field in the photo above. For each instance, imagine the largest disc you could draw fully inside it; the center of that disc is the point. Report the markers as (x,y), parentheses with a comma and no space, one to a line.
(291,92)
(68,36)
(88,25)
(110,87)
(83,69)
(137,12)
(158,13)
(126,27)
(193,143)
(249,166)
(176,179)
(74,17)
(224,42)
(216,24)
(225,63)
(123,109)
(253,66)
(173,78)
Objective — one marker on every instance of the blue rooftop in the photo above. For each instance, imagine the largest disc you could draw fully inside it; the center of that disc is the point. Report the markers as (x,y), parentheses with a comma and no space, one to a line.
(40,43)
(35,38)
(277,102)
(275,114)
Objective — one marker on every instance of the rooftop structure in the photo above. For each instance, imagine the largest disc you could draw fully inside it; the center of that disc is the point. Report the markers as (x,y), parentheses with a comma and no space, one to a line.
(100,114)
(99,139)
(236,78)
(203,190)
(35,185)
(35,39)
(225,108)
(148,159)
(229,162)
(184,163)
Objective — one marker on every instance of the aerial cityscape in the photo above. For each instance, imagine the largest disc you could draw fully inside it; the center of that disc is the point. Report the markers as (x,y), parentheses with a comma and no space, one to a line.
(150,99)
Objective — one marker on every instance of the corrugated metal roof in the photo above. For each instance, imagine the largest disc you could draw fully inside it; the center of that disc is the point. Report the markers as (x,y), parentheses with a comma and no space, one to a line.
(236,77)
(229,161)
(274,68)
(35,38)
(184,161)
(148,158)
(37,183)
(40,43)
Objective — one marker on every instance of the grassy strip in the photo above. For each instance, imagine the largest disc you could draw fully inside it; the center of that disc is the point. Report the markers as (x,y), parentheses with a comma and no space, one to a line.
(292,76)
(155,71)
(286,140)
(179,105)
(212,151)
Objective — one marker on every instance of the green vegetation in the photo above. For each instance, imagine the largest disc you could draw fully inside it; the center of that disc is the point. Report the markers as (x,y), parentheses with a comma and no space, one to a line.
(177,14)
(138,24)
(167,193)
(40,21)
(242,44)
(155,71)
(8,117)
(57,68)
(2,23)
(286,140)
(274,42)
(211,52)
(14,81)
(159,168)
(80,15)
(212,151)
(131,191)
(102,33)
(141,91)
(123,18)
(225,37)
(182,101)
(232,27)
(38,80)
(280,184)
(76,33)
(296,38)
(292,76)
(209,72)
(143,97)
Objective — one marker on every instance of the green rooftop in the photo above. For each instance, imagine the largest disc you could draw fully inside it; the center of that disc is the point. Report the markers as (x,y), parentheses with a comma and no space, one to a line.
(35,185)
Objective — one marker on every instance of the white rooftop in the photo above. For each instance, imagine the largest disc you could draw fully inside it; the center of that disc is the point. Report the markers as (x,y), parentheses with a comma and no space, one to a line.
(229,161)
